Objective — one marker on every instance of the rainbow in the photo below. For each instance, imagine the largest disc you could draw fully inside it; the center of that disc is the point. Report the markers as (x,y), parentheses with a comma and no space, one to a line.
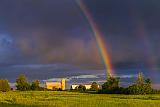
(99,38)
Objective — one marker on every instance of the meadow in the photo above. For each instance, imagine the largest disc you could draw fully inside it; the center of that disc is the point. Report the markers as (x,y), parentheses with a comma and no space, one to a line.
(75,99)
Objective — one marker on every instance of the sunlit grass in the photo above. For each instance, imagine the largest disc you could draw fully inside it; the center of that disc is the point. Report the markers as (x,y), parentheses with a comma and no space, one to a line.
(73,99)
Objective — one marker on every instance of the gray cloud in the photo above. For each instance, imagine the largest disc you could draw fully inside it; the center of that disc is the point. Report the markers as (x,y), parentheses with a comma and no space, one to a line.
(42,32)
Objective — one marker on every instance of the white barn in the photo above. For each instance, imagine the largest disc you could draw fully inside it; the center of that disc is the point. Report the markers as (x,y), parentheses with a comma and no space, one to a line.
(76,85)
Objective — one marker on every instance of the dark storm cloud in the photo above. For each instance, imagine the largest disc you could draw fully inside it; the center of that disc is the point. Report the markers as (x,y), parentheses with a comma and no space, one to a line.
(130,27)
(56,31)
(29,13)
(45,32)
(124,15)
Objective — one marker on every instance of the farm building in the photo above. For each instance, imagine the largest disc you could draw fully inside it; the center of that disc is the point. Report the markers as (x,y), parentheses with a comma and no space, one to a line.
(76,85)
(51,85)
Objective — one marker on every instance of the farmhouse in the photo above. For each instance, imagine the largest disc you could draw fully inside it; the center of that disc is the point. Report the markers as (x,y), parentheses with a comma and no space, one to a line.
(51,85)
(76,85)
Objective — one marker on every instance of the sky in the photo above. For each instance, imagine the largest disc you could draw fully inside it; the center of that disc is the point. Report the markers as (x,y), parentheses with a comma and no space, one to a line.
(34,32)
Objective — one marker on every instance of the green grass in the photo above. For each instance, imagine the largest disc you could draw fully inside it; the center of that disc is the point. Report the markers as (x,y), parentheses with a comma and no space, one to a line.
(73,99)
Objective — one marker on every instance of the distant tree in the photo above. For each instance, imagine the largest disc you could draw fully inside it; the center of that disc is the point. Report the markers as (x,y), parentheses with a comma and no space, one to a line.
(76,88)
(94,86)
(140,79)
(71,88)
(22,83)
(35,85)
(134,89)
(81,88)
(141,87)
(4,86)
(112,83)
(148,81)
(148,84)
(54,88)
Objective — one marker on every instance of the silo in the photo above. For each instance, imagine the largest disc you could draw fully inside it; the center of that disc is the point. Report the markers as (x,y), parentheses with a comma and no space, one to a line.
(63,84)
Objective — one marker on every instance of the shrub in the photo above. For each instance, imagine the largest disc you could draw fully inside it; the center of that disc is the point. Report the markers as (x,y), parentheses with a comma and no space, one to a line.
(94,86)
(141,87)
(35,85)
(22,84)
(112,83)
(4,86)
(56,89)
(111,86)
(80,88)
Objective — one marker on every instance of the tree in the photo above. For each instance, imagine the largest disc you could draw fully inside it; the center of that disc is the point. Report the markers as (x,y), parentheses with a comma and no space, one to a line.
(81,88)
(148,88)
(76,88)
(112,83)
(140,79)
(111,86)
(71,88)
(140,87)
(94,86)
(35,85)
(22,83)
(4,86)
(148,81)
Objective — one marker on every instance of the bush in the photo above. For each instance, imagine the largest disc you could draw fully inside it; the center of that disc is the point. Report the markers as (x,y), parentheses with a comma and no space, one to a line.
(139,89)
(111,86)
(155,91)
(94,86)
(119,90)
(22,84)
(80,88)
(56,89)
(4,86)
(112,83)
(35,85)
(141,86)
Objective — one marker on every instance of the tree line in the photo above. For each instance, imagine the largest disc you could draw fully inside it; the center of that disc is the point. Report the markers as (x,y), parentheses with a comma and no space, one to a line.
(141,86)
(22,84)
(111,86)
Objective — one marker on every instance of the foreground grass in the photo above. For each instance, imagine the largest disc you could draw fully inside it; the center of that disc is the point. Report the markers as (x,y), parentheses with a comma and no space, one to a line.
(73,99)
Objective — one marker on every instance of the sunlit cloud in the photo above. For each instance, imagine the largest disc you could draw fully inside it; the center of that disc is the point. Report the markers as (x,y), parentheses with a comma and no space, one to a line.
(127,76)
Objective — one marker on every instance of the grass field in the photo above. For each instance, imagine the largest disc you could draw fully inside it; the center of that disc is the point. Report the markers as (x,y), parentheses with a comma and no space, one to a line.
(73,99)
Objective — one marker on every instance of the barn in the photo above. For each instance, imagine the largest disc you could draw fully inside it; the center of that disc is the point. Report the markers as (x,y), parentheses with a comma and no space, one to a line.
(50,85)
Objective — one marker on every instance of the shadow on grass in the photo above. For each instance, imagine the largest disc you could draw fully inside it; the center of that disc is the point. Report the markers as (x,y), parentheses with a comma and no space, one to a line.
(88,92)
(15,105)
(148,98)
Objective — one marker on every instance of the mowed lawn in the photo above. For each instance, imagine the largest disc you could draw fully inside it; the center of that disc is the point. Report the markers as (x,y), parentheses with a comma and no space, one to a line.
(74,99)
